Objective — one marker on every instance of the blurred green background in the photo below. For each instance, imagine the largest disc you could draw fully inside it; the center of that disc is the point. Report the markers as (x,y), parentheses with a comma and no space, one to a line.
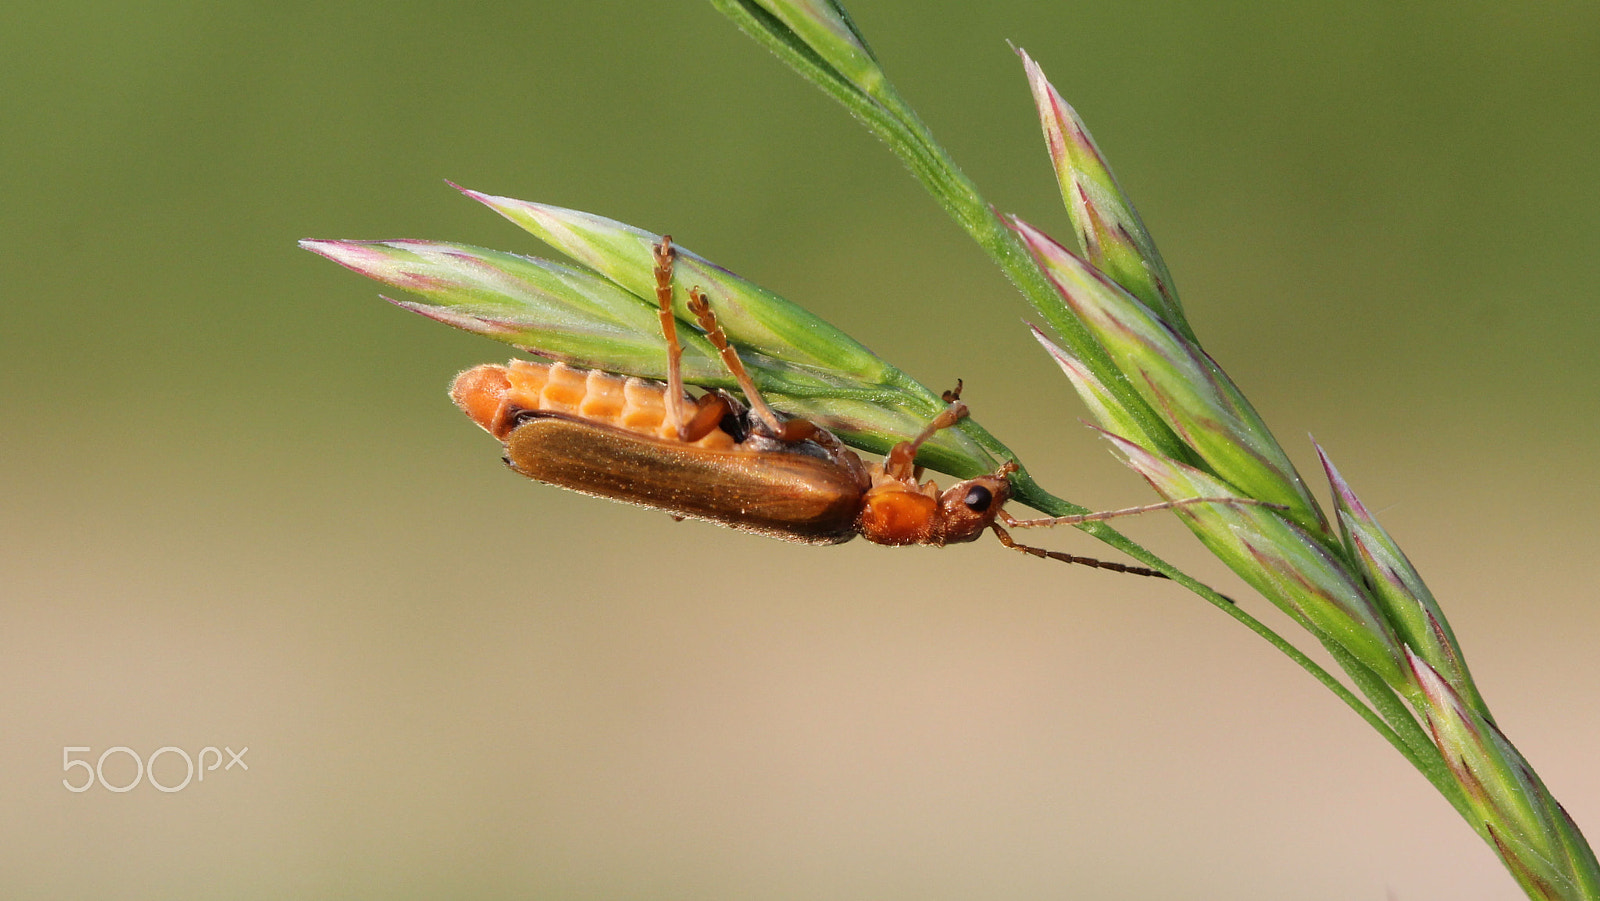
(239,510)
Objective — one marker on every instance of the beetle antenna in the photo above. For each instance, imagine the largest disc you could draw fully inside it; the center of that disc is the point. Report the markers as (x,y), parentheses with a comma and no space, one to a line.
(1109,566)
(1078,518)
(1005,539)
(677,417)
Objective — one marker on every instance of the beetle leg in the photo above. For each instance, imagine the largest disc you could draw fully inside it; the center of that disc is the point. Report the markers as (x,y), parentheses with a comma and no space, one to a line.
(1005,539)
(1104,515)
(786,430)
(708,414)
(899,463)
(677,417)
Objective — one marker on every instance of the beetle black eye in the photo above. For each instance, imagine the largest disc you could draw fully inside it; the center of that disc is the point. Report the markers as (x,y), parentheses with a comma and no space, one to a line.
(978,499)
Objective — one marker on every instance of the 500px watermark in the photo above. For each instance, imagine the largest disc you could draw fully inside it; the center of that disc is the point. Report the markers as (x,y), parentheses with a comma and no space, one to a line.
(144,768)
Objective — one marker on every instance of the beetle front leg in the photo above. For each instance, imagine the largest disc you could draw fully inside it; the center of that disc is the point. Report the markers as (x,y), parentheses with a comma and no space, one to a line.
(900,462)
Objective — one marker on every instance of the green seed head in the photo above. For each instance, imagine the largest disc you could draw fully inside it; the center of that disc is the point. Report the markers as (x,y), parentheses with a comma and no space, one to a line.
(604,315)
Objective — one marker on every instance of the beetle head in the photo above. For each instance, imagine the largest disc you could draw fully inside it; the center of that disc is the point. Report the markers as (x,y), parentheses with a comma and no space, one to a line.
(967,508)
(898,512)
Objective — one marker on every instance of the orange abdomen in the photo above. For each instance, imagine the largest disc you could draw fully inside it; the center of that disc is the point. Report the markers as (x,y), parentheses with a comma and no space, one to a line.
(494,395)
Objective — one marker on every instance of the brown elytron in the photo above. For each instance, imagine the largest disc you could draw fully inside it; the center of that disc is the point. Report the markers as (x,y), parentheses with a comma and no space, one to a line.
(742,465)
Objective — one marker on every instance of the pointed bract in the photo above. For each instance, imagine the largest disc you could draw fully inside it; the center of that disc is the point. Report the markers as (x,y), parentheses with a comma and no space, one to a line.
(1400,592)
(752,316)
(1279,559)
(825,27)
(1516,809)
(1179,381)
(1099,399)
(545,308)
(1113,236)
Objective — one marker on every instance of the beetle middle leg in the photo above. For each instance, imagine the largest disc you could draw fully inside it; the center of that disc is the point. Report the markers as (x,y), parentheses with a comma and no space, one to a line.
(677,417)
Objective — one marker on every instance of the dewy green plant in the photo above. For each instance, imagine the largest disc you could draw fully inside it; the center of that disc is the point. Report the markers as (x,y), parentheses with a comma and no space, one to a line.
(1182,423)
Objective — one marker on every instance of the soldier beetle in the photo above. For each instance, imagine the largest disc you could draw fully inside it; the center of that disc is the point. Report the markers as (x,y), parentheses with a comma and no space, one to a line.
(738,463)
